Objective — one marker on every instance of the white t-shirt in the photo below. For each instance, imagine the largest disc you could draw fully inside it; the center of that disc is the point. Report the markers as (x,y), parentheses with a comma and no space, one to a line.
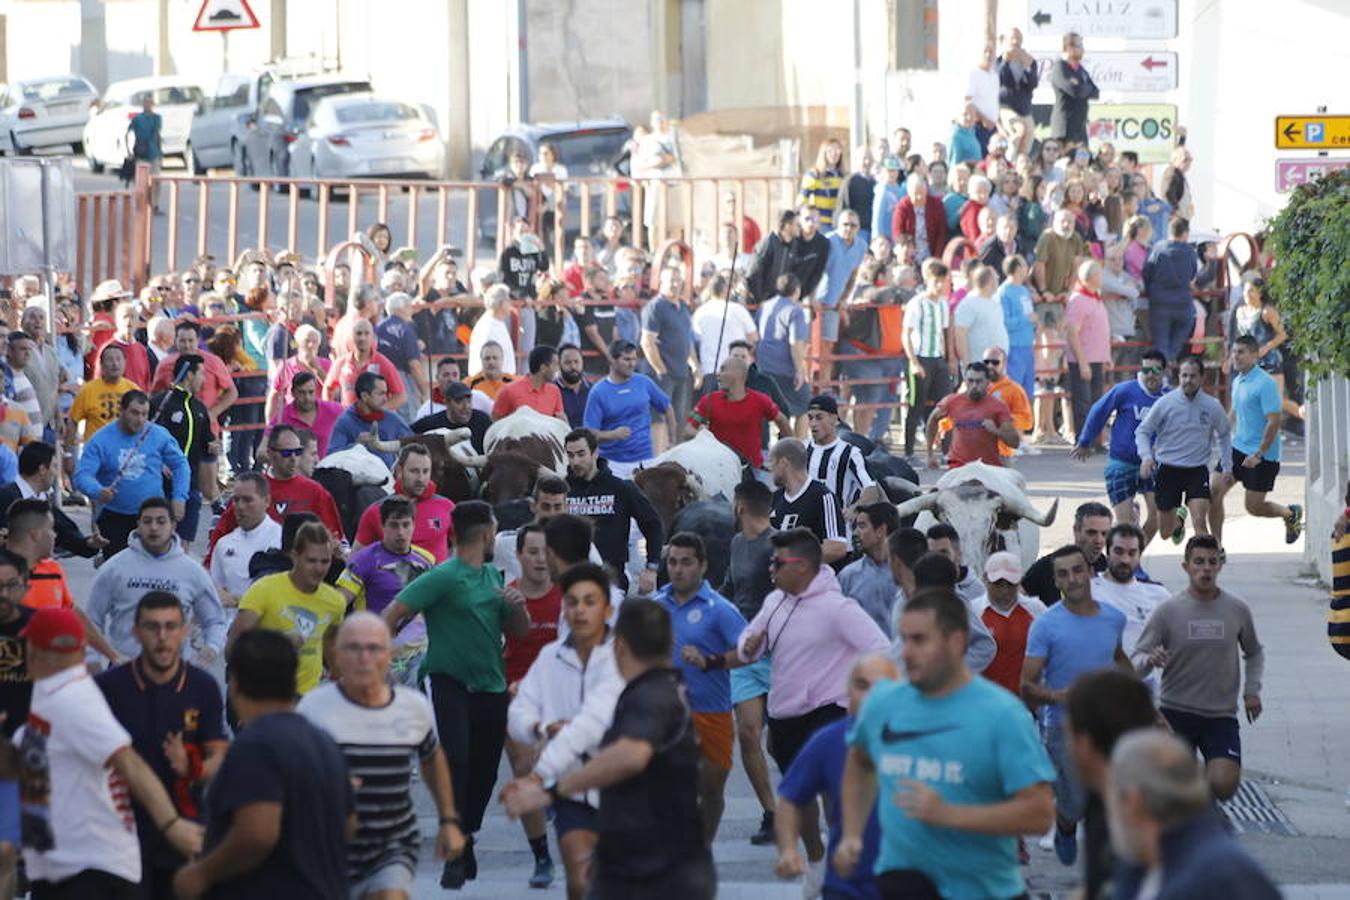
(72,730)
(230,558)
(983,316)
(1136,599)
(707,322)
(982,90)
(490,328)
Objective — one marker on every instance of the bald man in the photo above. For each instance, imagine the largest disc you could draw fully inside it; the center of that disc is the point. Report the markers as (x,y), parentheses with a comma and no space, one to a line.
(379,727)
(735,414)
(819,770)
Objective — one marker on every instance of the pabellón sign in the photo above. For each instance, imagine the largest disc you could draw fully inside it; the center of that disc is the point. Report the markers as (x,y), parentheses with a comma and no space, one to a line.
(1103,18)
(1125,72)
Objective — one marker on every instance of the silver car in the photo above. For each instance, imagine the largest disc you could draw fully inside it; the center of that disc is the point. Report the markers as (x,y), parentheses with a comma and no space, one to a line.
(45,112)
(366,136)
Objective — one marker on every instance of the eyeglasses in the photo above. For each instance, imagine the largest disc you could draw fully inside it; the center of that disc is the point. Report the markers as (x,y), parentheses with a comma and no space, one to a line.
(372,649)
(777,562)
(993,362)
(288,452)
(1151,370)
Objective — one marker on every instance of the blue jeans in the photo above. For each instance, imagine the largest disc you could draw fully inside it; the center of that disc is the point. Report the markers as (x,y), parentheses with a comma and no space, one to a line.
(1170,326)
(1022,368)
(192,510)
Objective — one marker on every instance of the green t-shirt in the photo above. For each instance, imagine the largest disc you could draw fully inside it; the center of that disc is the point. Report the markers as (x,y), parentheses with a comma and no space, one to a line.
(464,611)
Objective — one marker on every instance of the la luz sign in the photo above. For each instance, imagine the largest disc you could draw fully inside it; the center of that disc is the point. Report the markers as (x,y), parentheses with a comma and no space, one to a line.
(1103,18)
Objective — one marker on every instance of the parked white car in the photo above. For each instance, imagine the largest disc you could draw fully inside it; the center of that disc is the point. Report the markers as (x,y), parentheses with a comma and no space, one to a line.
(106,142)
(366,136)
(44,112)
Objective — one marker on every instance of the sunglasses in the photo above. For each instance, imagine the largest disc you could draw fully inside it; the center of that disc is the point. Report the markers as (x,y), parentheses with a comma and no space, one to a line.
(1151,370)
(776,562)
(192,281)
(288,452)
(993,362)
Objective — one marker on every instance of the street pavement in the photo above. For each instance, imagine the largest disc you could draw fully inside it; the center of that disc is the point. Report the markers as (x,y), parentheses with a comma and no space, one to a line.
(1293,754)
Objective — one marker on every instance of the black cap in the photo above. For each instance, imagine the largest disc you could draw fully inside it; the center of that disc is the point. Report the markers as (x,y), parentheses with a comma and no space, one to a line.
(458,390)
(824,402)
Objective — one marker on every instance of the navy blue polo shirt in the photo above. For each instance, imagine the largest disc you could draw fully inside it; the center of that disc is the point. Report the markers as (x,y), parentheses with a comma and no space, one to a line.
(189,703)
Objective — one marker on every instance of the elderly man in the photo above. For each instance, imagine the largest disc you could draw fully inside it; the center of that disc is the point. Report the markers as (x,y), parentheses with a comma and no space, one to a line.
(380,727)
(44,370)
(922,217)
(1087,330)
(493,372)
(736,415)
(1164,828)
(364,359)
(493,327)
(1058,251)
(368,422)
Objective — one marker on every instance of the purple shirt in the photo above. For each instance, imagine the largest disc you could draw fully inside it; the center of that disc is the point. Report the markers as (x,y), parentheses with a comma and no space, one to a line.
(374,575)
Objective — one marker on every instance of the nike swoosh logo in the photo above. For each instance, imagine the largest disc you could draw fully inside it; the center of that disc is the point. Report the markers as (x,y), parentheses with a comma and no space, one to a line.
(895,737)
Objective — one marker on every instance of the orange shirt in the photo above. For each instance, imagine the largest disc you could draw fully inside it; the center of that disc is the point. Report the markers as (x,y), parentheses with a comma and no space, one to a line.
(492,387)
(47,588)
(521,392)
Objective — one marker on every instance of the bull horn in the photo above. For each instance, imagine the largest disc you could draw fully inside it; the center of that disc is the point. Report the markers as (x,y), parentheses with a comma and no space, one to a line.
(473,462)
(915,505)
(896,483)
(1022,508)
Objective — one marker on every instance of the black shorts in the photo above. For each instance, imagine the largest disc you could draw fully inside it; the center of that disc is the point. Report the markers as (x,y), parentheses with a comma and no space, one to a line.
(1260,479)
(1216,737)
(788,736)
(1174,482)
(573,815)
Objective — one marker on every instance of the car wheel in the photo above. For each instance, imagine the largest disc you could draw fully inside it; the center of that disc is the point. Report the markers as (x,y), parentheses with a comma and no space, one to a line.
(190,161)
(77,148)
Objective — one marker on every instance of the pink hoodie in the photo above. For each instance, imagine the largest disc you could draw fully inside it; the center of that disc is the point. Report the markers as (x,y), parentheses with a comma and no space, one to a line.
(814,639)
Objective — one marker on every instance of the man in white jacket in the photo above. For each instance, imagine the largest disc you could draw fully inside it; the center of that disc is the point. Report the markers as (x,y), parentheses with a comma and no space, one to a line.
(564,705)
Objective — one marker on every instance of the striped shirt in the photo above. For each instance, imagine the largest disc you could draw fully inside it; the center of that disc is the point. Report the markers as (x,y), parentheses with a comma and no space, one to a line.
(926,320)
(813,508)
(839,466)
(379,744)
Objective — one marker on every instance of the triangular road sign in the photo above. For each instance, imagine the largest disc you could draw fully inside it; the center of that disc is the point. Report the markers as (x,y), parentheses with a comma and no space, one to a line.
(224,15)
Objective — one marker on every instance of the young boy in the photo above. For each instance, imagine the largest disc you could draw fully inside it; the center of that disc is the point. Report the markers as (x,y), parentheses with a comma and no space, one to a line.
(1019,318)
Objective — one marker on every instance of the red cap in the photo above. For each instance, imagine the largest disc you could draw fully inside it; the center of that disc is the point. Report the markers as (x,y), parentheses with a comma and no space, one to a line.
(57,630)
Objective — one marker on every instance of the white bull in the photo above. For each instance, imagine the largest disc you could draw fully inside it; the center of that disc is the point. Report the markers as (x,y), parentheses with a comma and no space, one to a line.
(538,436)
(714,468)
(989,508)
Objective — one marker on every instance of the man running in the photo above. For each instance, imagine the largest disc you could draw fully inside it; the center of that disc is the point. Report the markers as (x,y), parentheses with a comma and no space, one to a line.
(979,422)
(1257,411)
(834,462)
(736,415)
(1195,638)
(1129,401)
(956,764)
(1176,440)
(615,505)
(1091,522)
(1120,585)
(802,502)
(619,411)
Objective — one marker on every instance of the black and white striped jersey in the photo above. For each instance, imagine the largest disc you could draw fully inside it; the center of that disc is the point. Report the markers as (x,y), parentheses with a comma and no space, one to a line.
(839,466)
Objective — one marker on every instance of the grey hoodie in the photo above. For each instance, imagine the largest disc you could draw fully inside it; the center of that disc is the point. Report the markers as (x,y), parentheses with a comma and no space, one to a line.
(133,573)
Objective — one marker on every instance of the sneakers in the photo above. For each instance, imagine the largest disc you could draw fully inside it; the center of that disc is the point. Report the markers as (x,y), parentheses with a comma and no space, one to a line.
(1293,526)
(814,880)
(1180,531)
(460,869)
(1066,846)
(764,837)
(543,874)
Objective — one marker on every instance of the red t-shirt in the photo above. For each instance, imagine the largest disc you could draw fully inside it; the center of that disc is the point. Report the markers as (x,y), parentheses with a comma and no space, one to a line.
(431,529)
(1010,634)
(971,441)
(738,424)
(520,653)
(547,400)
(294,495)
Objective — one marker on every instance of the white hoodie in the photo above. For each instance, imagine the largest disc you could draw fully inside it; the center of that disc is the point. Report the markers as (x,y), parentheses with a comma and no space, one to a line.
(558,688)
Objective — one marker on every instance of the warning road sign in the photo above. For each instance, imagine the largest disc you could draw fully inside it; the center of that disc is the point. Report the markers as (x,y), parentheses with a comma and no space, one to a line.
(1312,132)
(224,15)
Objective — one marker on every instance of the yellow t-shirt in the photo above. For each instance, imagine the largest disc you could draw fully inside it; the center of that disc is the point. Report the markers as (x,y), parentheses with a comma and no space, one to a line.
(307,617)
(97,403)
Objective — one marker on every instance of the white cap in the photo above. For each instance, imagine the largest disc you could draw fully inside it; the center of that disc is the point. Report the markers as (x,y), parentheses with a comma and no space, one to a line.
(1003,566)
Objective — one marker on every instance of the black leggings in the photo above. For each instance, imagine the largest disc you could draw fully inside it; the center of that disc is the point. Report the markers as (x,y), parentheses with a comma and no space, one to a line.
(471,728)
(924,395)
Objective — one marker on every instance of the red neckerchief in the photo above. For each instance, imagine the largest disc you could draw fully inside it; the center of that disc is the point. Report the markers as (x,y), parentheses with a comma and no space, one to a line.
(1089,292)
(437,396)
(369,417)
(425,495)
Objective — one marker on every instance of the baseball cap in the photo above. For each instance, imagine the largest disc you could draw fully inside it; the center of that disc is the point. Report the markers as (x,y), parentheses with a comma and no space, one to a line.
(1003,566)
(458,390)
(825,403)
(891,162)
(55,629)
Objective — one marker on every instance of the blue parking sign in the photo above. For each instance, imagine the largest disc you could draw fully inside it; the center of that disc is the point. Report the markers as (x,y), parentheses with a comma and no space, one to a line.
(1315,132)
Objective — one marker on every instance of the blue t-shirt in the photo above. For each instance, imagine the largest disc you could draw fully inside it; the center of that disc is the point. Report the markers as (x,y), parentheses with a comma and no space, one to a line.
(1072,644)
(398,341)
(9,465)
(819,769)
(611,405)
(713,625)
(842,262)
(1016,300)
(977,746)
(145,131)
(780,323)
(1255,396)
(674,330)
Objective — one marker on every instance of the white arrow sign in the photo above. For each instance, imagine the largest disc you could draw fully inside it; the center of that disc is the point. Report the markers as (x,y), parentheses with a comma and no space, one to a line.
(1126,72)
(1103,18)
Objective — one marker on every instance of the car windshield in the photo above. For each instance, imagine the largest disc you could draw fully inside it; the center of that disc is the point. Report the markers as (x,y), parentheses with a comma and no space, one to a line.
(376,111)
(589,151)
(176,95)
(307,97)
(57,89)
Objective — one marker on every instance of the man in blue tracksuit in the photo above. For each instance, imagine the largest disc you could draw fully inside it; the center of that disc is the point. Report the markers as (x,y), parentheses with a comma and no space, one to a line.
(1130,401)
(123,464)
